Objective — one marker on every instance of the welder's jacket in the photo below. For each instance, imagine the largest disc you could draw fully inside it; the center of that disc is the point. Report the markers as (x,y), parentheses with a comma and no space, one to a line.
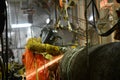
(32,63)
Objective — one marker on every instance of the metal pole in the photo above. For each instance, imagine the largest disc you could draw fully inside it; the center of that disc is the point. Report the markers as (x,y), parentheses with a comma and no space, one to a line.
(56,18)
(87,45)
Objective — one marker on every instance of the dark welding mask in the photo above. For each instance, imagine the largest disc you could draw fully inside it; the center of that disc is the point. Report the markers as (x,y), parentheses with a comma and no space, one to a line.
(49,35)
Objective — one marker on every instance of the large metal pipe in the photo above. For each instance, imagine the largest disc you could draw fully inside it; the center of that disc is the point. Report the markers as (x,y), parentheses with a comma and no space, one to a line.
(104,63)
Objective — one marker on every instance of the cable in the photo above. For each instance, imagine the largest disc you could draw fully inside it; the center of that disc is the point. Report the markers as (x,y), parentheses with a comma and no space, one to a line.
(87,43)
(2,65)
(2,15)
(94,21)
(110,30)
(6,40)
(94,5)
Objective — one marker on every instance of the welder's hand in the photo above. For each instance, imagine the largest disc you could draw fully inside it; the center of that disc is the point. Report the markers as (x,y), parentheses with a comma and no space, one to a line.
(63,49)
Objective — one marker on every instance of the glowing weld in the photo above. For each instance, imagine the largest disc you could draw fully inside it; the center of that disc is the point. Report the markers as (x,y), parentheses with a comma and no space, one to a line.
(45,66)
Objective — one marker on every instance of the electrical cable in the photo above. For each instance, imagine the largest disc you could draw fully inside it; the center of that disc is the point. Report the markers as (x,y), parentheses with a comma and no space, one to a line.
(2,15)
(3,58)
(110,30)
(6,40)
(87,43)
(97,12)
(94,21)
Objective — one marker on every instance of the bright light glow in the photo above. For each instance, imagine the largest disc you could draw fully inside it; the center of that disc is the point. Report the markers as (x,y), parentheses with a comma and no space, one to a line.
(6,3)
(48,21)
(55,31)
(45,66)
(21,25)
(10,34)
(91,18)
